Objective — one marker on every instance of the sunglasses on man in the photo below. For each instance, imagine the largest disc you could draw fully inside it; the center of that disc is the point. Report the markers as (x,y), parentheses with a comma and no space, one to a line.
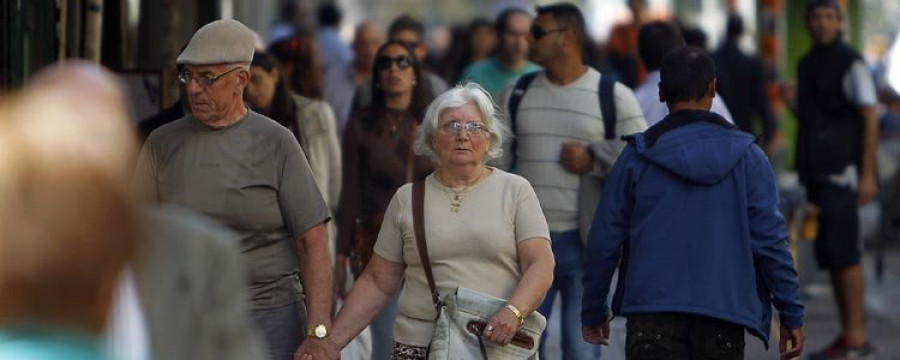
(538,32)
(384,62)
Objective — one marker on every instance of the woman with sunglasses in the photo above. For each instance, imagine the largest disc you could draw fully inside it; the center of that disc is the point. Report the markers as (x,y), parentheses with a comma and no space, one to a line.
(311,121)
(378,158)
(484,231)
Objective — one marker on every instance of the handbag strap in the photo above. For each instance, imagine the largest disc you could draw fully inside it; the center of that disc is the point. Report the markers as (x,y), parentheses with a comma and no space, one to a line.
(418,207)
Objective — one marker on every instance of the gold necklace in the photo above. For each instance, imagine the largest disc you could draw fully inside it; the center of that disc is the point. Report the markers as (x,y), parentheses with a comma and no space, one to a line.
(457,195)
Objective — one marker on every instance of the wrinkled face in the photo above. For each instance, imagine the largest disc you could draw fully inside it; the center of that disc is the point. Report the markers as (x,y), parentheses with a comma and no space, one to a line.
(261,89)
(395,70)
(213,102)
(824,24)
(514,41)
(459,145)
(549,43)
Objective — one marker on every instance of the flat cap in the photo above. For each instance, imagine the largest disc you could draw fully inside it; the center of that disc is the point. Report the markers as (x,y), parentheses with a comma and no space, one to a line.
(219,42)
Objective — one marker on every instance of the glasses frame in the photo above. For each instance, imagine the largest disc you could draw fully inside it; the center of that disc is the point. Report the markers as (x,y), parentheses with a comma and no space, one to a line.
(202,80)
(538,32)
(471,127)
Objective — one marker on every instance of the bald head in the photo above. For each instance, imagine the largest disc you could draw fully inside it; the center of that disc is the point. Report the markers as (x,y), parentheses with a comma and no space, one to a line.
(368,38)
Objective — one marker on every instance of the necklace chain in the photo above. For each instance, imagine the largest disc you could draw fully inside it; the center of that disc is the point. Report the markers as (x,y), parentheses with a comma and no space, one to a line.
(456,196)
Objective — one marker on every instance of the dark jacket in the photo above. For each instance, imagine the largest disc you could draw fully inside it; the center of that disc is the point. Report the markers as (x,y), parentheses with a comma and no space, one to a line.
(693,206)
(741,80)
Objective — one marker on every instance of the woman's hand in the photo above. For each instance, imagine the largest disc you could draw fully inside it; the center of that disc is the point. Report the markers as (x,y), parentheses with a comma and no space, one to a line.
(502,327)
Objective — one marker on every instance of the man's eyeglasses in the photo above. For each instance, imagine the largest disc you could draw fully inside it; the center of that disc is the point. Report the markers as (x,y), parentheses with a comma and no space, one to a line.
(185,77)
(384,62)
(455,127)
(538,32)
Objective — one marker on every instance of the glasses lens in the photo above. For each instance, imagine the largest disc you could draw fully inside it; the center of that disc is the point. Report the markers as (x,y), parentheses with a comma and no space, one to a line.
(403,62)
(184,78)
(383,63)
(474,128)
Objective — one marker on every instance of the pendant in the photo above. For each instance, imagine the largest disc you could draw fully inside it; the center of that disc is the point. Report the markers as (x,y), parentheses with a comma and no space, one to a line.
(455,204)
(393,131)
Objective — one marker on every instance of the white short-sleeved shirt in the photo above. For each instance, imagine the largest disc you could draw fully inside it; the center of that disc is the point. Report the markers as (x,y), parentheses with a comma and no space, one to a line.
(476,248)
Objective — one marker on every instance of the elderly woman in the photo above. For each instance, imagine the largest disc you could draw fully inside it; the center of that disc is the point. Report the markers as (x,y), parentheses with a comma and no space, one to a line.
(484,227)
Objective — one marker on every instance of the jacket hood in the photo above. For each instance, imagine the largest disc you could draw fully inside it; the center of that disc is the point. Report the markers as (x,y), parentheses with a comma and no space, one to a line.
(699,146)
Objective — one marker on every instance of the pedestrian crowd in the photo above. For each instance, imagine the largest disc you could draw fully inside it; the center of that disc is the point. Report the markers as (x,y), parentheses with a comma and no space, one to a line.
(311,199)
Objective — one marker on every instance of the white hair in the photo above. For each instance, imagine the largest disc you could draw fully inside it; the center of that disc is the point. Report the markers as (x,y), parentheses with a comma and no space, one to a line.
(459,96)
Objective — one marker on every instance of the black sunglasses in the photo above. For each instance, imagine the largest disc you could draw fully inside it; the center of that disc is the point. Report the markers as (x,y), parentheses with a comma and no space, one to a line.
(537,32)
(384,62)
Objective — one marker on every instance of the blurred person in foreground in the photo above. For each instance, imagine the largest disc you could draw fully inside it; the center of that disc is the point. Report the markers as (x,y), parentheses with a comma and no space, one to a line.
(741,79)
(68,223)
(485,231)
(511,59)
(341,80)
(249,173)
(837,137)
(690,216)
(655,40)
(378,158)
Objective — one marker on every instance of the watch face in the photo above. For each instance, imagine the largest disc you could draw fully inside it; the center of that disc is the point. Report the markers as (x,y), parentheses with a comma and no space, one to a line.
(321,331)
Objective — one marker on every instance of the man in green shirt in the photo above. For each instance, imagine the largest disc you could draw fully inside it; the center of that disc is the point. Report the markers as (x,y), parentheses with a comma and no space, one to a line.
(249,173)
(511,61)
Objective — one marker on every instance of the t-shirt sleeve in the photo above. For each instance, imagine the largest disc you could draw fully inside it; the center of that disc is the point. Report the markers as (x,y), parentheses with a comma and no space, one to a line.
(859,87)
(390,239)
(530,221)
(302,205)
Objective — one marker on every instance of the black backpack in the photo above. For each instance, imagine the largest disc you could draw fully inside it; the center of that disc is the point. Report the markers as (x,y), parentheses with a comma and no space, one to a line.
(607,106)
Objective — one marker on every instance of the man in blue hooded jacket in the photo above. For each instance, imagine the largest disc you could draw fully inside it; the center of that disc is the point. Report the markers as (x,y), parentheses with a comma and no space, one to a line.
(690,209)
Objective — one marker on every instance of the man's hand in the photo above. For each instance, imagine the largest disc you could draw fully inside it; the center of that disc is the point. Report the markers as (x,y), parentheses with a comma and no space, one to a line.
(791,343)
(598,335)
(316,349)
(867,189)
(576,158)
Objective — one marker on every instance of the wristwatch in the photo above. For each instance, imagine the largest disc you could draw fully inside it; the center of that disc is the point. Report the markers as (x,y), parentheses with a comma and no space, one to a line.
(320,332)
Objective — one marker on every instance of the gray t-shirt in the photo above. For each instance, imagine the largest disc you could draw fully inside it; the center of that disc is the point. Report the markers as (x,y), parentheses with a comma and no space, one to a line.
(252,177)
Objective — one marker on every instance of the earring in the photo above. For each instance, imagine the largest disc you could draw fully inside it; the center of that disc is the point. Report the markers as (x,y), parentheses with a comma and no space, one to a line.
(414,82)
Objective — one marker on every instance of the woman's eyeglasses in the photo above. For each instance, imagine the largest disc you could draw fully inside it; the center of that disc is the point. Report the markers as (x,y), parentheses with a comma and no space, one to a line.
(384,62)
(455,127)
(538,32)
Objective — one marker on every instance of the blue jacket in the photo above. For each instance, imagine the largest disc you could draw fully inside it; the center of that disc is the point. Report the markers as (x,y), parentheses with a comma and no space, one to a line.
(691,209)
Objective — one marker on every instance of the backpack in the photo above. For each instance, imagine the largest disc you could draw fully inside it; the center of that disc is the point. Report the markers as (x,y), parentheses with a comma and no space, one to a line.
(607,106)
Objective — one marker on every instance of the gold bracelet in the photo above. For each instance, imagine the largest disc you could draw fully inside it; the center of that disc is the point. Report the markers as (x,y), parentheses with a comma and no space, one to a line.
(516,312)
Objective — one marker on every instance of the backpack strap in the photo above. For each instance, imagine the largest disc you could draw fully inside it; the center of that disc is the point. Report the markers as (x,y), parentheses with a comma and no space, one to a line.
(608,106)
(515,98)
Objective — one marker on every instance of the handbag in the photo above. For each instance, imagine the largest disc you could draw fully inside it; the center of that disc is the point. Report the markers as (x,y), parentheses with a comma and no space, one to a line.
(463,315)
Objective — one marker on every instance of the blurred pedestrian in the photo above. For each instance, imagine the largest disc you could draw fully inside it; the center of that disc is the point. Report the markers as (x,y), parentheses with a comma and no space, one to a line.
(341,80)
(474,43)
(622,47)
(511,59)
(690,217)
(485,232)
(837,137)
(68,222)
(298,59)
(332,49)
(248,172)
(566,142)
(378,159)
(742,81)
(656,40)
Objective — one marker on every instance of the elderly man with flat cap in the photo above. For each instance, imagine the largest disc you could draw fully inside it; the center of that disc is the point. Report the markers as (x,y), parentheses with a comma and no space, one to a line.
(249,173)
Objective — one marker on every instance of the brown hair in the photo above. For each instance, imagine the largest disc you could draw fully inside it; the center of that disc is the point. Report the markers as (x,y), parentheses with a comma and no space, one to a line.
(300,53)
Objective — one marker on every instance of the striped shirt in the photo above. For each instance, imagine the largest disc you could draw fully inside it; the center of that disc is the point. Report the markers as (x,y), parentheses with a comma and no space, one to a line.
(550,115)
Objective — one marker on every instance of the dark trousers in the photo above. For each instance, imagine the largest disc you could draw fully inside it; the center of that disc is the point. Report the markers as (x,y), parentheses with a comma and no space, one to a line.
(675,336)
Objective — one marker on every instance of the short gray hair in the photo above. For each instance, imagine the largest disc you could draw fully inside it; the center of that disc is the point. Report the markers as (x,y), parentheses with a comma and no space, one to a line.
(456,97)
